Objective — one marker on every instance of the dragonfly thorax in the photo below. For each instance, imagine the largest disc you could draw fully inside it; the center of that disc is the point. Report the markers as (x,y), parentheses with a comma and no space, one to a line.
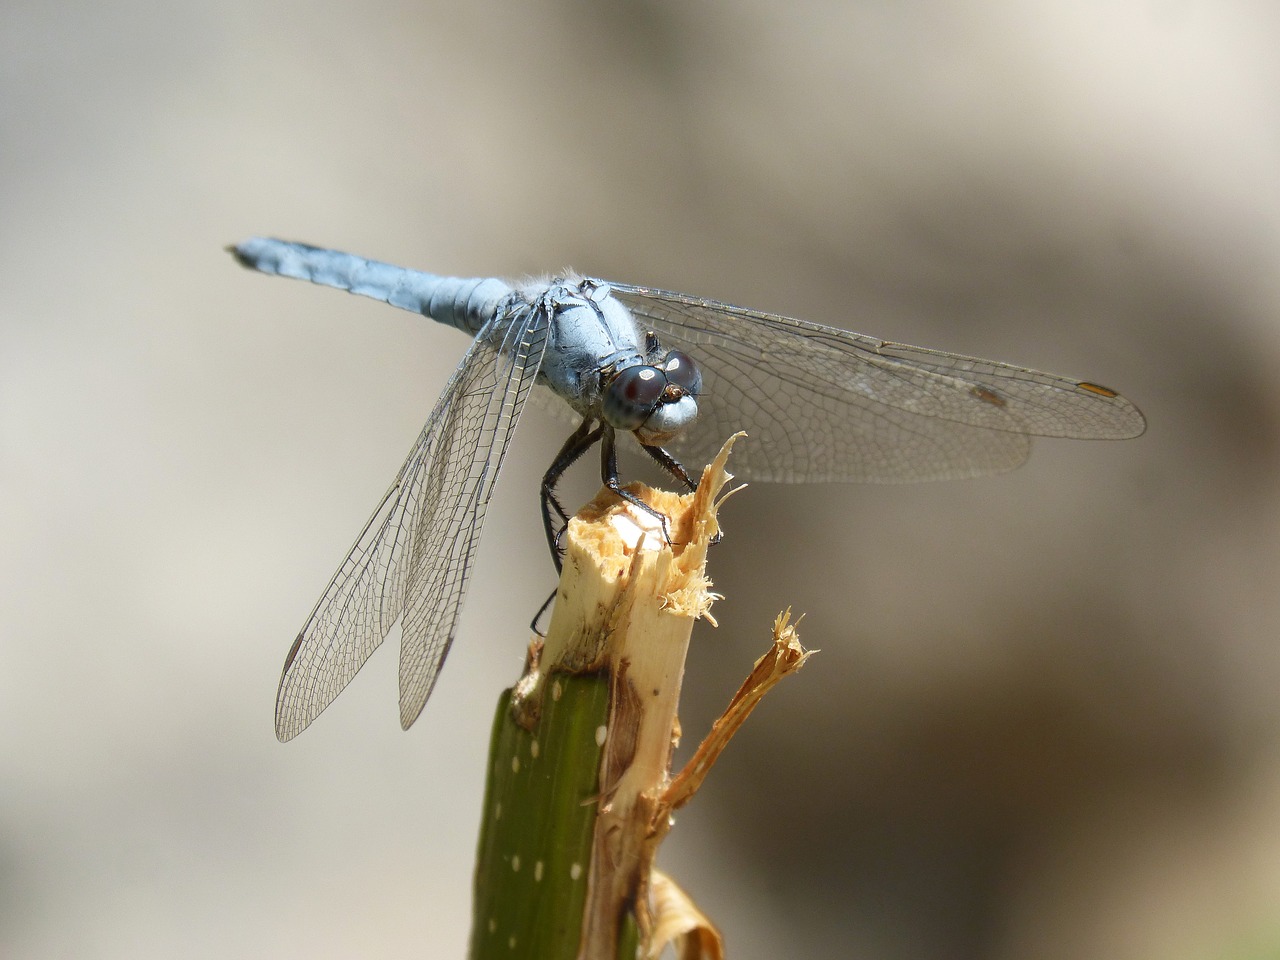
(604,367)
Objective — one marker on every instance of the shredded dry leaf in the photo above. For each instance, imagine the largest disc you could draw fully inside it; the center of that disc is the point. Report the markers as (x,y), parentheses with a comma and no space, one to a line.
(678,923)
(784,658)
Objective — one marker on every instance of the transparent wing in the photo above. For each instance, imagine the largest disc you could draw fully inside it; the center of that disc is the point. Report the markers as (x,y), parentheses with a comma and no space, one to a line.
(413,560)
(824,404)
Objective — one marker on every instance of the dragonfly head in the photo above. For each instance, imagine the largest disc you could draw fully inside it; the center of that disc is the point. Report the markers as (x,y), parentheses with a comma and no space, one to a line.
(654,400)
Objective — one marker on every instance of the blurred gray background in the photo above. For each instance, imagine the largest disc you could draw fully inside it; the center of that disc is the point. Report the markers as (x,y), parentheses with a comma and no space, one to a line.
(1044,720)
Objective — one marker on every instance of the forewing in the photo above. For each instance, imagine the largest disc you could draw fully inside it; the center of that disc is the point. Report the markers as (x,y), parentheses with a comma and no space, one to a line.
(825,404)
(414,556)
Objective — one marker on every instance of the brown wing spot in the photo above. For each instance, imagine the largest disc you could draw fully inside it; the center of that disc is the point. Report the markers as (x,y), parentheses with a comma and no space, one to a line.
(987,396)
(293,652)
(1099,390)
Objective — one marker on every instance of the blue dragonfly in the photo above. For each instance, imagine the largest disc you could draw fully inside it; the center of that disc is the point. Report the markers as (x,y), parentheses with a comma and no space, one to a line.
(679,373)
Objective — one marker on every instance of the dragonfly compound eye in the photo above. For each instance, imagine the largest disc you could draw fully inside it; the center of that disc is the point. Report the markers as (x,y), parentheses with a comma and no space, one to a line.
(632,396)
(683,372)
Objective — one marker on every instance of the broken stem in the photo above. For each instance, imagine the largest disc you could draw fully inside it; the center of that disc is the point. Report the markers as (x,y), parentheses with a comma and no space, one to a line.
(579,792)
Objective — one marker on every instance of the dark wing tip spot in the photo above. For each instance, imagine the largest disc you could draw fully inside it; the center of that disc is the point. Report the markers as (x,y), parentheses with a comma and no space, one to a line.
(293,652)
(1098,389)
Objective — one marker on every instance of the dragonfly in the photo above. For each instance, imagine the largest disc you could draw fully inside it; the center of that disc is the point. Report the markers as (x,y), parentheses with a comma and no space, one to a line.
(677,372)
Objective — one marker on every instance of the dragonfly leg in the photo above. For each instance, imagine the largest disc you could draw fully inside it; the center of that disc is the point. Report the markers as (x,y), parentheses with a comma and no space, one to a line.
(609,473)
(578,443)
(546,604)
(671,465)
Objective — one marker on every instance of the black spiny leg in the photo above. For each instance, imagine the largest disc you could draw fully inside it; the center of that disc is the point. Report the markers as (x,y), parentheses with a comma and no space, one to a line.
(578,443)
(574,447)
(609,473)
(671,465)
